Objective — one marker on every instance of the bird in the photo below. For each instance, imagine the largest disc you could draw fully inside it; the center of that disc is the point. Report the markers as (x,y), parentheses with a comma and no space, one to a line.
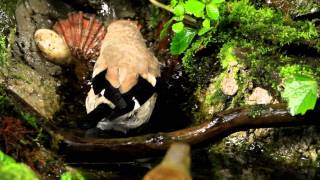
(124,79)
(174,166)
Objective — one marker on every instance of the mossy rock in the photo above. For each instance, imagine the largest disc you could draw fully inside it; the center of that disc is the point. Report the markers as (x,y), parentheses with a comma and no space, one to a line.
(268,154)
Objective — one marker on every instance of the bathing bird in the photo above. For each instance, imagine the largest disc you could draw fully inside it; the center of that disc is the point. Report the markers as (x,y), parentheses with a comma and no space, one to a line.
(124,79)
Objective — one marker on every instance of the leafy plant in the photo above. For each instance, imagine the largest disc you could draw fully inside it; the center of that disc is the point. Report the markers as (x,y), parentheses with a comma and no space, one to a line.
(3,50)
(301,93)
(5,159)
(72,175)
(206,12)
(10,169)
(30,119)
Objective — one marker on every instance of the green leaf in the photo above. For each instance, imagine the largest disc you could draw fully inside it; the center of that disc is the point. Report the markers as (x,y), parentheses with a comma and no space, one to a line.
(72,175)
(9,169)
(195,8)
(301,93)
(212,11)
(181,41)
(178,10)
(31,120)
(173,3)
(3,50)
(17,171)
(217,1)
(5,159)
(178,18)
(205,27)
(177,27)
(164,31)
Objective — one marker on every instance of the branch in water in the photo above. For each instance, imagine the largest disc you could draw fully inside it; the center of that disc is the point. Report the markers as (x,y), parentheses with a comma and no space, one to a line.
(221,124)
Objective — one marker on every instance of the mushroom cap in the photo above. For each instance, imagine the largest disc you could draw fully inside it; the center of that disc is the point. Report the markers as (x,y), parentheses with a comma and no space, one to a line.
(52,46)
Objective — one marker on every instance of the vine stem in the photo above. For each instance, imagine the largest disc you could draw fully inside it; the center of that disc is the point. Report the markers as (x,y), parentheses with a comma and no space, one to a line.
(168,8)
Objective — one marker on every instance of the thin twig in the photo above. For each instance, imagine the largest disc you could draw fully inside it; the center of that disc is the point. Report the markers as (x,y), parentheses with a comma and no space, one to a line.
(168,8)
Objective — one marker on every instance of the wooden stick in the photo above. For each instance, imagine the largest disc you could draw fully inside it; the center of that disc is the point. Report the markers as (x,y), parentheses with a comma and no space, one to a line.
(221,124)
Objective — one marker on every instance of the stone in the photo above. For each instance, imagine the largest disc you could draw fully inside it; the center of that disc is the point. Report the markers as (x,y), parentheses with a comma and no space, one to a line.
(259,96)
(38,91)
(229,85)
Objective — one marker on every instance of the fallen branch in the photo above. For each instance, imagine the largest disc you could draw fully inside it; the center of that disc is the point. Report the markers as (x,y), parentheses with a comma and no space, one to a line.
(221,124)
(75,146)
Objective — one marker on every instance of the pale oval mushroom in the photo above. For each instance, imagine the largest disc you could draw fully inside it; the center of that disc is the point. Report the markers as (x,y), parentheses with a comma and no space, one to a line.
(52,46)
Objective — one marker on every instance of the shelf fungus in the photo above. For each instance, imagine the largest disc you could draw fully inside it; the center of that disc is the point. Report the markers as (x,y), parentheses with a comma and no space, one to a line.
(124,77)
(77,36)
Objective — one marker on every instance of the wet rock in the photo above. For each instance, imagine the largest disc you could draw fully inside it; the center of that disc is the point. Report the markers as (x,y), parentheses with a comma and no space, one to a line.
(259,96)
(296,8)
(5,22)
(119,9)
(268,153)
(27,73)
(211,100)
(229,85)
(36,90)
(30,16)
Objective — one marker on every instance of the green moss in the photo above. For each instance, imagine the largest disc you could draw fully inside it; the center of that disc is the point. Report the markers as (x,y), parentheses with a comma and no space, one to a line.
(9,6)
(268,24)
(72,175)
(256,42)
(262,32)
(3,50)
(190,62)
(214,95)
(5,105)
(227,55)
(301,69)
(257,110)
(7,15)
(7,108)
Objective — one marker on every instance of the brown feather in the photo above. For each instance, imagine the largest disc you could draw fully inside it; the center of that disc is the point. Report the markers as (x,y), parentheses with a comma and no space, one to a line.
(124,48)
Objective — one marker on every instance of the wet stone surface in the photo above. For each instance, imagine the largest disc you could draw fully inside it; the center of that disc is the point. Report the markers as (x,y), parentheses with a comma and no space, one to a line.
(27,73)
(296,8)
(268,153)
(31,15)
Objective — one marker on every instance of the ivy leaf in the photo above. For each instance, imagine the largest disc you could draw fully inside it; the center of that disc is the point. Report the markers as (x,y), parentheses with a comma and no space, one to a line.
(212,11)
(301,93)
(177,27)
(178,18)
(181,41)
(195,8)
(173,3)
(17,171)
(205,27)
(217,1)
(72,175)
(164,31)
(5,159)
(178,10)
